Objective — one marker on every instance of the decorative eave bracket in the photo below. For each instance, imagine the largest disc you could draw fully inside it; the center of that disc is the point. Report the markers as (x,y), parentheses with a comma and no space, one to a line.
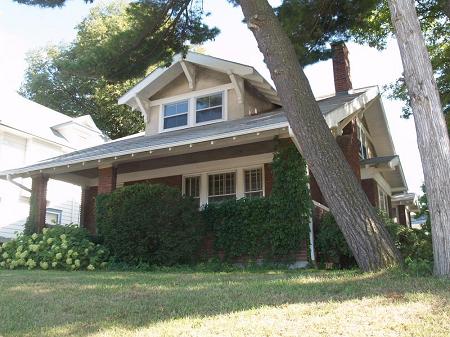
(238,83)
(190,73)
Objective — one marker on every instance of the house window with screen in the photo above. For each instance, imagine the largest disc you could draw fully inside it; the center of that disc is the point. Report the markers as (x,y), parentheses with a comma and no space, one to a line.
(175,115)
(209,108)
(221,187)
(253,183)
(53,216)
(192,188)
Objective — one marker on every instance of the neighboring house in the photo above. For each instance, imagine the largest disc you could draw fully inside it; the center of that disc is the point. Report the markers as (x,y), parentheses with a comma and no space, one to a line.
(30,132)
(210,129)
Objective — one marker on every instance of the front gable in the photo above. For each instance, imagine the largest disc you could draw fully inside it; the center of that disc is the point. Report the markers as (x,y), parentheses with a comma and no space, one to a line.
(199,90)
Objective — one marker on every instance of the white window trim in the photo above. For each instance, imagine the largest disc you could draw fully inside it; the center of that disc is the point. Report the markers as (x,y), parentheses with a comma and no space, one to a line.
(57,212)
(240,181)
(224,108)
(191,98)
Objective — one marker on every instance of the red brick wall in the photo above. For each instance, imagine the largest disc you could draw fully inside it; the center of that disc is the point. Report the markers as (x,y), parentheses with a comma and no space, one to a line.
(172,181)
(87,212)
(107,180)
(39,207)
(370,187)
(341,68)
(349,145)
(268,179)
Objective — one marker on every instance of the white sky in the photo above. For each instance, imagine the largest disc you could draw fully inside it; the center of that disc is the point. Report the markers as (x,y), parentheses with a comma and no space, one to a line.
(23,28)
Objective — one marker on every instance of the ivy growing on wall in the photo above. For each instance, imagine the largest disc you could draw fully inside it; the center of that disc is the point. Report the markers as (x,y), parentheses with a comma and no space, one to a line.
(271,227)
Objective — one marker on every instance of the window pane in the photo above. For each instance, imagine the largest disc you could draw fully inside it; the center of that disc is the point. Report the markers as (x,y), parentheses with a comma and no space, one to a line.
(192,186)
(209,114)
(221,187)
(175,108)
(215,100)
(175,121)
(202,103)
(182,107)
(253,180)
(170,110)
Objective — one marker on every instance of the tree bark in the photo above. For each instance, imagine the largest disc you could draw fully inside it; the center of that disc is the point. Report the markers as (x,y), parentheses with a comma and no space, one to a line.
(362,228)
(432,136)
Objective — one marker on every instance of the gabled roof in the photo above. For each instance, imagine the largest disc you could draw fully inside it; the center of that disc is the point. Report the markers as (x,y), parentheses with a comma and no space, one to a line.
(26,116)
(141,143)
(160,77)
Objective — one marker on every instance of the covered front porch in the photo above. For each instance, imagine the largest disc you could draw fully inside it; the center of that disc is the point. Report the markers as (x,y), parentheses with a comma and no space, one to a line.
(207,163)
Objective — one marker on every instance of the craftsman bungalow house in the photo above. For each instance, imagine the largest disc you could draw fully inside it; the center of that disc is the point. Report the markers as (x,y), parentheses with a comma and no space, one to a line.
(210,126)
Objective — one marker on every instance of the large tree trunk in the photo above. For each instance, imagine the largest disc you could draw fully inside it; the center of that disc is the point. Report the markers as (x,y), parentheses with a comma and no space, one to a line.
(362,228)
(432,136)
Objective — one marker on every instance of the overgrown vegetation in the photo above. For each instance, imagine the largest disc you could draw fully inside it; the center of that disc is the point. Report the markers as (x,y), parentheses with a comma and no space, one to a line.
(60,247)
(146,223)
(414,245)
(271,227)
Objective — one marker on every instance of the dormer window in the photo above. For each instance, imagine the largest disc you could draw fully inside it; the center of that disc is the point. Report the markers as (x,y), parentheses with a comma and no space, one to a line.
(176,114)
(209,108)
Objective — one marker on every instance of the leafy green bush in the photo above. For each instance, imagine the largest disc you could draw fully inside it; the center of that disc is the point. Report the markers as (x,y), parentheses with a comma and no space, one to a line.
(149,223)
(271,227)
(331,245)
(60,247)
(414,244)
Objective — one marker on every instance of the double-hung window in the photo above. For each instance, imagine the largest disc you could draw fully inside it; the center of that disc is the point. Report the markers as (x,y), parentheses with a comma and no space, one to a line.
(209,108)
(253,183)
(175,115)
(192,188)
(221,187)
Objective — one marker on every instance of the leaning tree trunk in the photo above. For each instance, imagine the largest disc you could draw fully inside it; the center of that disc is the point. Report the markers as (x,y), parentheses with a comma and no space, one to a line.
(362,228)
(432,136)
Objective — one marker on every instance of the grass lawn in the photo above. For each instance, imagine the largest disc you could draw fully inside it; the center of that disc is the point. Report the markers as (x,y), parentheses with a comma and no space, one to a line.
(277,303)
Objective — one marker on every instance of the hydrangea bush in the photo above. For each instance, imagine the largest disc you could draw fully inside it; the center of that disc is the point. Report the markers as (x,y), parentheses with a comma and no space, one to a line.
(60,247)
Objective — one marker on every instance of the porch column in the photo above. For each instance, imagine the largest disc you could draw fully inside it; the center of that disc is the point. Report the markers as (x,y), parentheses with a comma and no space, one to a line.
(402,215)
(107,178)
(38,202)
(87,209)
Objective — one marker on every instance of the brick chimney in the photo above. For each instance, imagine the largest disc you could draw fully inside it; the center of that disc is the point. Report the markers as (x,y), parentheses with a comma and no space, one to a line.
(341,67)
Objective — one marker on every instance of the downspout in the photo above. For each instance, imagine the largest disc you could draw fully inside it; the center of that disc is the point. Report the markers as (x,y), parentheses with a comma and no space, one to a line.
(8,178)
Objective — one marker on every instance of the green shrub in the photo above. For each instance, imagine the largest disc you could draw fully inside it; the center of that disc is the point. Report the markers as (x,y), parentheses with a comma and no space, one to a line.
(60,247)
(271,227)
(414,244)
(146,223)
(331,245)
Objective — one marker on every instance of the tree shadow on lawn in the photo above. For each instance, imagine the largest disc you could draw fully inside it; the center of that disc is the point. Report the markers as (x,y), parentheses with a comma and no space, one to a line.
(81,303)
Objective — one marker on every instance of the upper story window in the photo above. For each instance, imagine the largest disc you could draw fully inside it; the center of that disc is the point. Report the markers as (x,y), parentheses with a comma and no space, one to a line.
(364,148)
(176,115)
(209,108)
